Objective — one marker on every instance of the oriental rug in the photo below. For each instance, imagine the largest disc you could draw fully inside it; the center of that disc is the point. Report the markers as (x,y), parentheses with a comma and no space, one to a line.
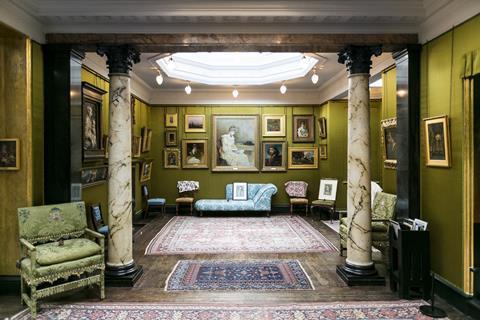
(399,310)
(193,235)
(238,275)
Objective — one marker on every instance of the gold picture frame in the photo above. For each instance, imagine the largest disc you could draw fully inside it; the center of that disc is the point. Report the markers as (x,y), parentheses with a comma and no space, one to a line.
(303,128)
(322,127)
(273,125)
(323,152)
(136,146)
(389,142)
(171,120)
(437,141)
(195,123)
(274,156)
(302,158)
(171,138)
(195,154)
(10,154)
(171,158)
(146,139)
(146,171)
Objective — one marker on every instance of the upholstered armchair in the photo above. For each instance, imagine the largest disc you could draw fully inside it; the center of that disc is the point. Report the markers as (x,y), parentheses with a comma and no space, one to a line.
(383,210)
(58,252)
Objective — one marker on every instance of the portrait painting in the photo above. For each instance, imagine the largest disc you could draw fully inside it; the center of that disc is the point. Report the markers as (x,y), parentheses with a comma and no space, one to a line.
(171,158)
(303,128)
(328,189)
(273,125)
(389,141)
(195,123)
(194,154)
(171,138)
(274,156)
(146,171)
(302,158)
(92,136)
(437,136)
(240,191)
(171,120)
(9,154)
(136,146)
(322,127)
(235,143)
(94,176)
(322,151)
(146,139)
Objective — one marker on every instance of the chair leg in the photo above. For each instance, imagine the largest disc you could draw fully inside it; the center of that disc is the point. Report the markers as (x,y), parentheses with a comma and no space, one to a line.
(306,210)
(176,210)
(191,209)
(291,209)
(33,301)
(102,285)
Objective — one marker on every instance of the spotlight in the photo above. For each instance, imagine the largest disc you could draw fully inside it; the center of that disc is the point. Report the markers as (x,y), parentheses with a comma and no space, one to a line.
(159,79)
(283,88)
(235,93)
(314,76)
(188,89)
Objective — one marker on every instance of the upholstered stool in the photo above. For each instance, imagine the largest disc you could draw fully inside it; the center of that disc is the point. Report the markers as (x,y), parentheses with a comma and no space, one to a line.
(324,204)
(184,201)
(298,202)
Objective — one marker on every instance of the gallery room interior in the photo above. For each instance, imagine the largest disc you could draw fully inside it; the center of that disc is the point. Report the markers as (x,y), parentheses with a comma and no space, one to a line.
(240,160)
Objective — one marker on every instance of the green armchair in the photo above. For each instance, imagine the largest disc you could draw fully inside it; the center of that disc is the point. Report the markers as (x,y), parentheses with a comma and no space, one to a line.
(58,252)
(383,210)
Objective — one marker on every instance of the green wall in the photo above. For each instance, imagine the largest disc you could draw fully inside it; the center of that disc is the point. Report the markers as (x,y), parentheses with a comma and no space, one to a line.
(37,123)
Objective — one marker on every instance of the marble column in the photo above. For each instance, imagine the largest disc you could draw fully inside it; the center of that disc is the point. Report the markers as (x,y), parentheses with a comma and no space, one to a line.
(359,267)
(121,269)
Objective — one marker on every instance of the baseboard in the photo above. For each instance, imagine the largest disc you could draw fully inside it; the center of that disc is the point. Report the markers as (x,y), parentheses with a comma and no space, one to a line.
(9,285)
(457,298)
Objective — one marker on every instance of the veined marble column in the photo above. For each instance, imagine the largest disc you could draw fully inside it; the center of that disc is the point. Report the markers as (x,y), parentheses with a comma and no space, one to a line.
(121,269)
(359,267)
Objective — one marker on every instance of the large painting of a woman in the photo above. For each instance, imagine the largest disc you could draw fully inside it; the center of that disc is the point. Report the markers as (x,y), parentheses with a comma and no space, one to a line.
(236,143)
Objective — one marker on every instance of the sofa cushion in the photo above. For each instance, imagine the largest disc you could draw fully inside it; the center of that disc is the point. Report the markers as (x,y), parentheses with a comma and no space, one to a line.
(72,249)
(42,271)
(224,205)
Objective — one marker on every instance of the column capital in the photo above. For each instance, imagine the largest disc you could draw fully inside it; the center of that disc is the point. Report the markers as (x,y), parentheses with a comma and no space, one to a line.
(358,58)
(120,58)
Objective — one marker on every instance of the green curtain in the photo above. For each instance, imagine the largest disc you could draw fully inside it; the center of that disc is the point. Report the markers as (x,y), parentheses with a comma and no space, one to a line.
(471,64)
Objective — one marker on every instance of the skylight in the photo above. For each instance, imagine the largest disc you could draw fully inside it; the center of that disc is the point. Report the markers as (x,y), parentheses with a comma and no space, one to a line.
(236,68)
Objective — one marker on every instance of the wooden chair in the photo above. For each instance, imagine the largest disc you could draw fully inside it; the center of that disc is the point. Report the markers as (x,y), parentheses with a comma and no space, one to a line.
(186,197)
(151,202)
(327,195)
(97,219)
(297,191)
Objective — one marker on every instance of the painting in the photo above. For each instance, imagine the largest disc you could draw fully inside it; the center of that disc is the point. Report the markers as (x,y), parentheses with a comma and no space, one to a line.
(136,146)
(146,171)
(303,128)
(171,158)
(389,142)
(94,176)
(302,158)
(437,141)
(273,125)
(274,157)
(235,143)
(132,109)
(322,127)
(328,189)
(9,154)
(171,138)
(146,139)
(322,151)
(92,137)
(240,191)
(195,154)
(171,120)
(195,123)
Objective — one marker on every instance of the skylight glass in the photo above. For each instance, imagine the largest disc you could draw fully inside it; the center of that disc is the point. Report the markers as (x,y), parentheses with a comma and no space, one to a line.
(236,68)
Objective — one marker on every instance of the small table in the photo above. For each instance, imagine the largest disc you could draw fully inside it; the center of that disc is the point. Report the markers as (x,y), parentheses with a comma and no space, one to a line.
(324,204)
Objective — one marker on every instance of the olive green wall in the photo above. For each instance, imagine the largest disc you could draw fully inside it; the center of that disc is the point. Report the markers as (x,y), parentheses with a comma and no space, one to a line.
(441,188)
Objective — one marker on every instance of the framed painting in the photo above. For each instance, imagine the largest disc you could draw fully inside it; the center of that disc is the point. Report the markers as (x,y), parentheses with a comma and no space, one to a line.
(146,171)
(171,120)
(389,142)
(322,151)
(273,125)
(240,191)
(302,158)
(235,143)
(9,154)
(303,128)
(328,189)
(195,154)
(146,139)
(92,137)
(171,158)
(136,146)
(171,138)
(274,156)
(322,127)
(195,123)
(132,109)
(94,176)
(437,141)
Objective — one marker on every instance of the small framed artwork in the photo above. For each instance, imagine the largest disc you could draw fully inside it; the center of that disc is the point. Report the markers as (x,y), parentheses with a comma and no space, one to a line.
(322,151)
(92,143)
(302,158)
(94,176)
(389,141)
(171,120)
(195,154)
(274,156)
(419,225)
(240,191)
(303,128)
(322,127)
(136,146)
(171,158)
(146,171)
(171,138)
(273,125)
(9,154)
(195,123)
(328,189)
(146,139)
(437,136)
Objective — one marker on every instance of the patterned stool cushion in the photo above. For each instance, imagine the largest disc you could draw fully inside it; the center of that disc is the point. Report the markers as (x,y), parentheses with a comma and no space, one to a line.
(103,230)
(184,200)
(156,202)
(72,249)
(224,205)
(299,201)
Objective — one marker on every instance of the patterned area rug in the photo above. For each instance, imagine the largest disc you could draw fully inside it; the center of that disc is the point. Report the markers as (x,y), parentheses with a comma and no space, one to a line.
(191,235)
(399,310)
(238,275)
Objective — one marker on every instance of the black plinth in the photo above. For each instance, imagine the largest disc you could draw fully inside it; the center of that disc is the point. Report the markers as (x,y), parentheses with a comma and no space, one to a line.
(124,276)
(360,276)
(432,312)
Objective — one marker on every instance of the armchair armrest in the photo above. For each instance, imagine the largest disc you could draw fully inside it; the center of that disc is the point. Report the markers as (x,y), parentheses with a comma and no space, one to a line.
(30,253)
(28,245)
(94,234)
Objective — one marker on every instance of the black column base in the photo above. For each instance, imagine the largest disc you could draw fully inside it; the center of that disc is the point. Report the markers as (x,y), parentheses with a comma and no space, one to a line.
(360,276)
(124,276)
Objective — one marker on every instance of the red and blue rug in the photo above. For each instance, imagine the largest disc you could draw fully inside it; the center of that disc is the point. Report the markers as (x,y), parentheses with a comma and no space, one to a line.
(399,310)
(238,275)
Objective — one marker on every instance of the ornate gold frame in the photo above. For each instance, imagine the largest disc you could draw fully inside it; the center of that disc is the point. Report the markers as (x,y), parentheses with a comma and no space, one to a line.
(281,133)
(303,166)
(446,163)
(387,124)
(203,129)
(17,154)
(203,164)
(165,161)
